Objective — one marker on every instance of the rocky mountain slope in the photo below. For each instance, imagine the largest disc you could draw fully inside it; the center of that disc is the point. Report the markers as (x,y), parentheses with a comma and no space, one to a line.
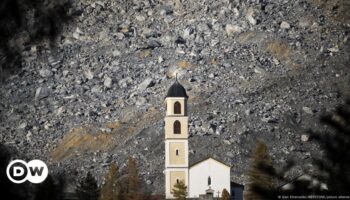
(254,69)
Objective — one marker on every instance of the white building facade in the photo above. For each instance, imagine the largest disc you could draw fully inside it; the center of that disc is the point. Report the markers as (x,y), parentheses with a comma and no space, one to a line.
(209,173)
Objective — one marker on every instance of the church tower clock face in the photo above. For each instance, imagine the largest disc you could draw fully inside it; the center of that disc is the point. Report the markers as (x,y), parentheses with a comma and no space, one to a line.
(176,137)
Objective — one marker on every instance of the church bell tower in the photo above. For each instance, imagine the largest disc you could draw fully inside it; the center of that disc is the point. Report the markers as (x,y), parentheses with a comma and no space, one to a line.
(176,138)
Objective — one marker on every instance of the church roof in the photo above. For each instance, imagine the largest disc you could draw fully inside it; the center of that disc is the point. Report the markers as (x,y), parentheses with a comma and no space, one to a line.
(177,90)
(207,158)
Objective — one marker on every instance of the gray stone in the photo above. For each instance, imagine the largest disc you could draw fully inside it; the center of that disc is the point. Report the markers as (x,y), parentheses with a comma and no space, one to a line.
(41,92)
(230,154)
(116,53)
(227,142)
(65,73)
(148,82)
(77,34)
(88,74)
(153,43)
(107,82)
(123,83)
(285,25)
(248,112)
(305,138)
(219,130)
(22,125)
(141,101)
(307,110)
(45,73)
(232,29)
(250,16)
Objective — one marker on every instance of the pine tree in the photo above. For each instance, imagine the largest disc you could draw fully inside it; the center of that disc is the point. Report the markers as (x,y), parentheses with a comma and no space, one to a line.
(225,195)
(260,175)
(88,189)
(111,190)
(45,190)
(334,163)
(179,191)
(335,143)
(133,189)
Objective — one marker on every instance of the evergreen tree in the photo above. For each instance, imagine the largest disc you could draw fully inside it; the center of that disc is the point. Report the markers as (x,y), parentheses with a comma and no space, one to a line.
(225,195)
(111,190)
(88,189)
(333,165)
(133,189)
(46,190)
(260,175)
(335,143)
(179,191)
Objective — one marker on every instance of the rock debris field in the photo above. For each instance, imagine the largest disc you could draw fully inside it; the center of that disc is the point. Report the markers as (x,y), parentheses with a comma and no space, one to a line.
(254,70)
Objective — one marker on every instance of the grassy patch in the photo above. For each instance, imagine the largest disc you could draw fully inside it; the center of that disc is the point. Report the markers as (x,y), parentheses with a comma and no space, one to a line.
(145,53)
(338,10)
(213,61)
(280,50)
(183,64)
(113,125)
(296,67)
(80,140)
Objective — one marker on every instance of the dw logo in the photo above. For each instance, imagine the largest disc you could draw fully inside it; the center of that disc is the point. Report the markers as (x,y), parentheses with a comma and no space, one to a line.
(35,171)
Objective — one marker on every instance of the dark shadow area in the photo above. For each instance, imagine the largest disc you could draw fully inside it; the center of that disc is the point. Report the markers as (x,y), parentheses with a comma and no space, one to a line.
(335,144)
(333,175)
(87,189)
(8,189)
(51,188)
(24,23)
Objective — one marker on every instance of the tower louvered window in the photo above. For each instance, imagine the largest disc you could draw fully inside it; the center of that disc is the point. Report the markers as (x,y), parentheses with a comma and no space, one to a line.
(177,127)
(177,108)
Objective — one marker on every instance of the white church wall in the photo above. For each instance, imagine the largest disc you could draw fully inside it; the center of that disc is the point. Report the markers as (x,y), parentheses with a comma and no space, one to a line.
(199,173)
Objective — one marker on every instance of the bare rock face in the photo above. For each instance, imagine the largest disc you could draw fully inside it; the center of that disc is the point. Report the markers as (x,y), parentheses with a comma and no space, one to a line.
(253,70)
(107,82)
(285,25)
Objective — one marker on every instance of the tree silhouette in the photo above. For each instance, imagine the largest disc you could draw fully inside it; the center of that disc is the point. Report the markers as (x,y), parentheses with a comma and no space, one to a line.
(261,183)
(335,143)
(24,23)
(133,189)
(7,188)
(225,195)
(88,189)
(179,191)
(333,166)
(111,190)
(49,189)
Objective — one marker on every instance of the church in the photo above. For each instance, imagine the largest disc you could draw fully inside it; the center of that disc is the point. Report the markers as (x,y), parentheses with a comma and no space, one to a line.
(206,177)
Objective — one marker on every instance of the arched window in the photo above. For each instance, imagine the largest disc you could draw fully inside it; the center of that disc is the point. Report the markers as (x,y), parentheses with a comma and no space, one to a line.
(177,180)
(177,127)
(177,108)
(177,152)
(209,181)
